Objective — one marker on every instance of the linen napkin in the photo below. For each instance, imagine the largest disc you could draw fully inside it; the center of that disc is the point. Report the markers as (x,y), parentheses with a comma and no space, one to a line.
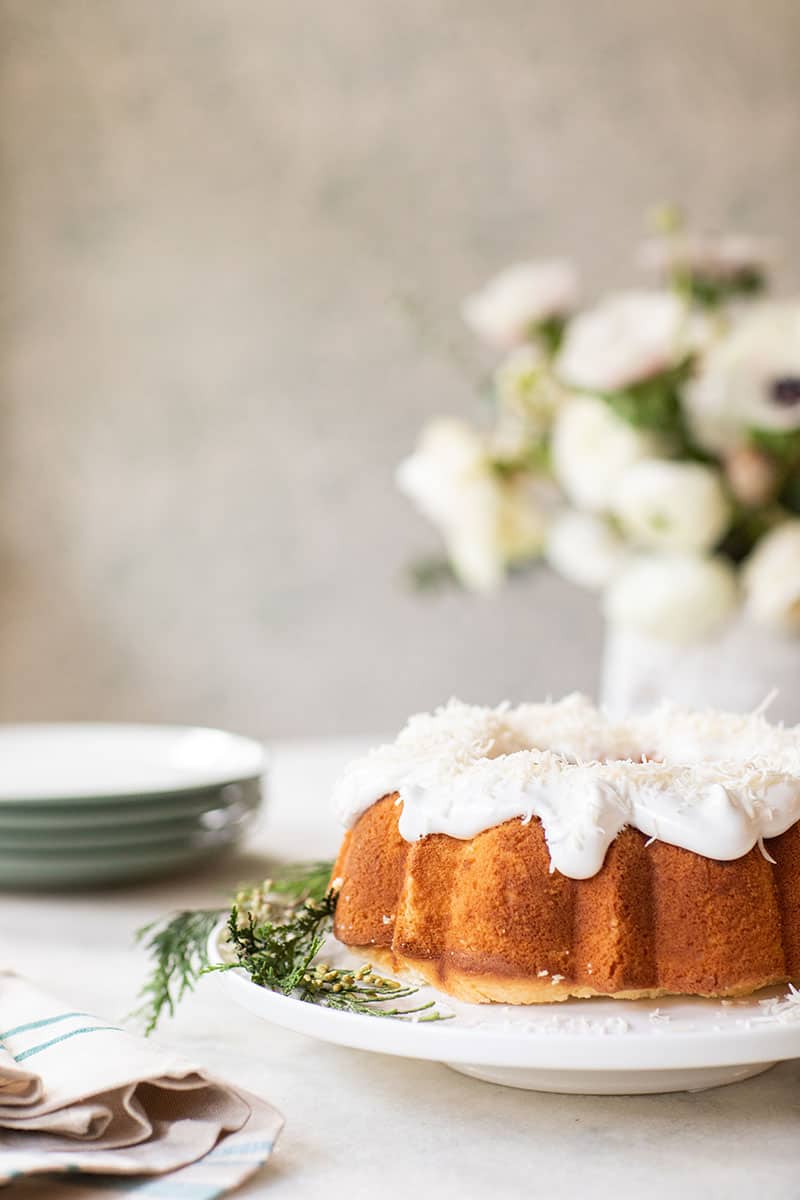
(82,1097)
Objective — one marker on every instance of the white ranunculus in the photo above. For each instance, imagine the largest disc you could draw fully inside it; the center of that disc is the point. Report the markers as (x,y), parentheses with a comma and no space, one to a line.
(486,522)
(750,378)
(628,337)
(591,447)
(771,578)
(526,389)
(678,597)
(505,311)
(584,548)
(449,480)
(667,505)
(449,455)
(719,258)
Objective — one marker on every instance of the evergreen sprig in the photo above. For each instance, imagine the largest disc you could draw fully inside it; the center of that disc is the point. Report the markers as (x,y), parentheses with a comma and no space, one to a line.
(302,881)
(279,955)
(274,932)
(178,948)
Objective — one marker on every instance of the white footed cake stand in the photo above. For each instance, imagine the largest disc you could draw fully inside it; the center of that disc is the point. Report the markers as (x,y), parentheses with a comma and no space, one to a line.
(587,1047)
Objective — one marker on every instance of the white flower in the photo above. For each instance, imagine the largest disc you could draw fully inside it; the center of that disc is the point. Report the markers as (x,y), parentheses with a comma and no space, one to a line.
(628,337)
(771,578)
(507,308)
(720,258)
(486,522)
(678,597)
(591,447)
(526,389)
(670,505)
(750,378)
(584,548)
(449,480)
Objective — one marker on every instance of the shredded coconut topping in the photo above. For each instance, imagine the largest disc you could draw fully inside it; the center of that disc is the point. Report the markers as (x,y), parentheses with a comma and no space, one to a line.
(785,1010)
(714,783)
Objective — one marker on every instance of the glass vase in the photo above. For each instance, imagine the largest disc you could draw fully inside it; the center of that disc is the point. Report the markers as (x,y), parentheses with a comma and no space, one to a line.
(737,671)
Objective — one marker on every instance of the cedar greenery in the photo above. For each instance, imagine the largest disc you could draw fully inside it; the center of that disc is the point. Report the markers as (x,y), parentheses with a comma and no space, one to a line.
(178,949)
(275,932)
(302,881)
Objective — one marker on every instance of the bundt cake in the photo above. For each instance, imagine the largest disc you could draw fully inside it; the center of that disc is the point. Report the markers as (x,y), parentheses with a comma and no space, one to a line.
(526,855)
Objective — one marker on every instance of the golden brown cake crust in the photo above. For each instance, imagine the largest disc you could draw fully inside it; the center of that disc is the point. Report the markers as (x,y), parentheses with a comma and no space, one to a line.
(486,919)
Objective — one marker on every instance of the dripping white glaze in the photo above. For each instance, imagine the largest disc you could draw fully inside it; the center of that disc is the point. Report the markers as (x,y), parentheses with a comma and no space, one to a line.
(714,783)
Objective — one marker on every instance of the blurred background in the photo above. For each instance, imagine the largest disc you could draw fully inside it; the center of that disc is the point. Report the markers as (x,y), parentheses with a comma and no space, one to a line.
(234,241)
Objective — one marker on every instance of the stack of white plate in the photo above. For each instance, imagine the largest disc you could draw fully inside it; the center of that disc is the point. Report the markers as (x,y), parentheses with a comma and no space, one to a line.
(92,804)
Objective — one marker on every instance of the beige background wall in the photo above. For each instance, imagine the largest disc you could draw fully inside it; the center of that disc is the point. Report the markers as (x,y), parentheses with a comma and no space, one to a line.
(234,236)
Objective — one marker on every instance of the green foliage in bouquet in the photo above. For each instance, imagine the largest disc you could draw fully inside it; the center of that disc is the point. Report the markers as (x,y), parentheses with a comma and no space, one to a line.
(655,404)
(713,292)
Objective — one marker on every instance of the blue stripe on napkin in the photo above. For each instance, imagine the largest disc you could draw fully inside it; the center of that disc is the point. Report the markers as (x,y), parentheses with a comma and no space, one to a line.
(41,1024)
(65,1037)
(175,1189)
(249,1150)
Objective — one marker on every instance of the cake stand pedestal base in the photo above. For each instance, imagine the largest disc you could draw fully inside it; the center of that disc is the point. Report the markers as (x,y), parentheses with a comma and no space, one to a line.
(612,1083)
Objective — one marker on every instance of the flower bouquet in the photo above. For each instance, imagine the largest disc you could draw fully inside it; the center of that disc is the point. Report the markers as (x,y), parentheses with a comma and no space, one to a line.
(646,446)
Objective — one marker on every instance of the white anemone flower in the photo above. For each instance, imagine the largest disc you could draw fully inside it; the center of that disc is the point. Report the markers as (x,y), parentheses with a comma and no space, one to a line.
(627,338)
(667,505)
(590,449)
(487,522)
(771,578)
(507,309)
(750,379)
(676,597)
(584,548)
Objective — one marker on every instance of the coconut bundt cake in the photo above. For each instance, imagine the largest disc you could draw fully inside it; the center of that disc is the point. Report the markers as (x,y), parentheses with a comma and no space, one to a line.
(529,854)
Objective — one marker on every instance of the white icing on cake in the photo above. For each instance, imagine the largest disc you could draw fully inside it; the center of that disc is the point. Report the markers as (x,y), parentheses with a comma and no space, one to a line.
(714,783)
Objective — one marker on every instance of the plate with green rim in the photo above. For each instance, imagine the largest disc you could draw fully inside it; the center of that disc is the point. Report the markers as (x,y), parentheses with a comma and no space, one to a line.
(40,873)
(232,798)
(89,763)
(94,804)
(198,839)
(88,838)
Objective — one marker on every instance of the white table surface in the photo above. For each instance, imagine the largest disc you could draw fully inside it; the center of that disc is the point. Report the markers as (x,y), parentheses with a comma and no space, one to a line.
(361,1125)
